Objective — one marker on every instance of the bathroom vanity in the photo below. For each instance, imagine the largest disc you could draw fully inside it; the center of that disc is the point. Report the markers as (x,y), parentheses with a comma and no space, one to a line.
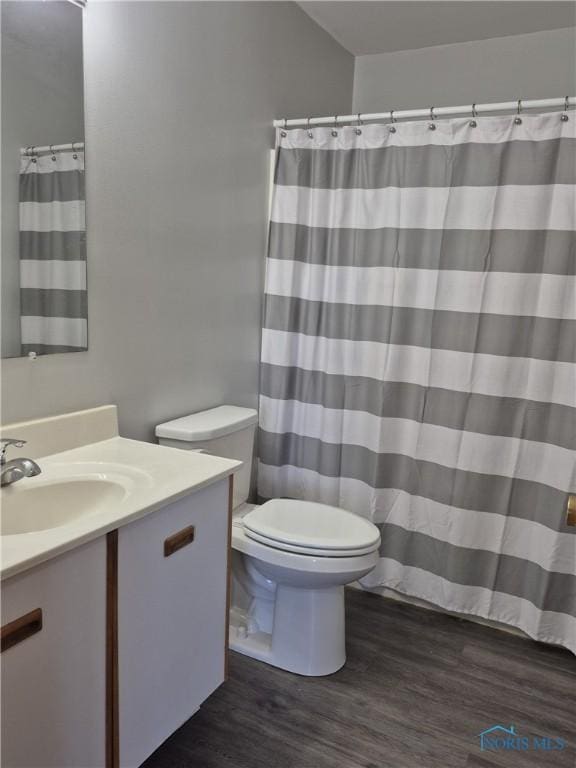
(114,614)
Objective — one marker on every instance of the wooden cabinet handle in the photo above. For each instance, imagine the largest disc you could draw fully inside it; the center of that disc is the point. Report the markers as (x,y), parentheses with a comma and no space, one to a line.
(19,629)
(178,540)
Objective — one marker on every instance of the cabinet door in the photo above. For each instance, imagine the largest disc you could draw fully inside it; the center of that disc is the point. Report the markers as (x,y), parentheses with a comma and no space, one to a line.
(53,671)
(172,617)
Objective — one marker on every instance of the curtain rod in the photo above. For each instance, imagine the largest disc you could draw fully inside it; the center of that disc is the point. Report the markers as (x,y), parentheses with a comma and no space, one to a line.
(33,150)
(563,102)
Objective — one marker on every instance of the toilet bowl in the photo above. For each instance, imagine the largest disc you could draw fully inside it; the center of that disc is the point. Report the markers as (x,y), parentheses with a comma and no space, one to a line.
(291,559)
(294,618)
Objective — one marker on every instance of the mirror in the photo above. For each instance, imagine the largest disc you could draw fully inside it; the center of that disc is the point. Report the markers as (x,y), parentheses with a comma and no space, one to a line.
(43,261)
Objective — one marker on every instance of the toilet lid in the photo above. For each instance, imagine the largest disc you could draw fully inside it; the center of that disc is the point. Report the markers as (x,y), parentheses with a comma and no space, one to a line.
(311,528)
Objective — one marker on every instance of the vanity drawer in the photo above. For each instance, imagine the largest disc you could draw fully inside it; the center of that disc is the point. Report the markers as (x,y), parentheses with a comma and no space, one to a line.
(172,622)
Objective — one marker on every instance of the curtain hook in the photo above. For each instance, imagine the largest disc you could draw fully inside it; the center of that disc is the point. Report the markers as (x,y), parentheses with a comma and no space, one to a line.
(431,125)
(392,121)
(334,131)
(53,155)
(310,134)
(518,119)
(358,130)
(74,153)
(473,122)
(283,131)
(32,153)
(564,115)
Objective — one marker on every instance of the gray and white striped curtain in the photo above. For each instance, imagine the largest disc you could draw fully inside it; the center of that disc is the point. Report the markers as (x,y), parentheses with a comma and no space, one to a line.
(53,296)
(418,355)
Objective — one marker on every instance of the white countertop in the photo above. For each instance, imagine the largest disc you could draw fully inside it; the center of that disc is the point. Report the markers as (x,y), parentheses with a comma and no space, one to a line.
(151,477)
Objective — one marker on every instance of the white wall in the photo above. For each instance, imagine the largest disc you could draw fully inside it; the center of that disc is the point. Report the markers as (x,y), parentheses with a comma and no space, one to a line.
(533,66)
(179,103)
(41,104)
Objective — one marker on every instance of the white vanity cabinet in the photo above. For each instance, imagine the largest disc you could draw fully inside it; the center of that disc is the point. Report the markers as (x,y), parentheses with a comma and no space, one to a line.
(172,583)
(53,662)
(115,593)
(108,648)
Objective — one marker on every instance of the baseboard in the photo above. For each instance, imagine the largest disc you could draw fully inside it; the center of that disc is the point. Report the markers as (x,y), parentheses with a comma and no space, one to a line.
(401,598)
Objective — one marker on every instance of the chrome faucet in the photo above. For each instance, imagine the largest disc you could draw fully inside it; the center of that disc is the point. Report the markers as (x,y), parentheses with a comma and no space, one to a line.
(15,469)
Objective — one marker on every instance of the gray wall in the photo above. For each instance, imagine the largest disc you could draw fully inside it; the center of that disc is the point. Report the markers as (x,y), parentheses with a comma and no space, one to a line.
(41,104)
(534,66)
(179,103)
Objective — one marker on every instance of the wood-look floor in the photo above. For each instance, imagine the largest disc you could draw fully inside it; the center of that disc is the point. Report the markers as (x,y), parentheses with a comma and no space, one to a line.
(417,689)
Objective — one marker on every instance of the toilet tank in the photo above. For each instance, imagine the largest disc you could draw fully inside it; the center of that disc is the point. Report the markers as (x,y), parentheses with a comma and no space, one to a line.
(226,431)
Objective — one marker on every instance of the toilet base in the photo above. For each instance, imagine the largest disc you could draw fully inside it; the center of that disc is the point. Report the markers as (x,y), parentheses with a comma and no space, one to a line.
(308,633)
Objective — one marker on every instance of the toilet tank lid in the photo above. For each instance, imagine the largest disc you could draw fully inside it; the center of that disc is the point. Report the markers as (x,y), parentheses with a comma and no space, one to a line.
(206,425)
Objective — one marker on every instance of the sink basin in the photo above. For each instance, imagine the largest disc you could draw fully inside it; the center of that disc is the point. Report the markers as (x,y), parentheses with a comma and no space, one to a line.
(34,505)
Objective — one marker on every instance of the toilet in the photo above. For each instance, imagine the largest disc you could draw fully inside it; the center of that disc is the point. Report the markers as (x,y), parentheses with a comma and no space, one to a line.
(291,559)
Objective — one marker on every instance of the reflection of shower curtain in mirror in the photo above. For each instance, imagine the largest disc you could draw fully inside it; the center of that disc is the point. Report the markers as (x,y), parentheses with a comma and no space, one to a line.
(53,302)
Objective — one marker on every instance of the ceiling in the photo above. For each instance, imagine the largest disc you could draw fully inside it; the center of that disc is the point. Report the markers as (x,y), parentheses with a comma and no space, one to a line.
(381,26)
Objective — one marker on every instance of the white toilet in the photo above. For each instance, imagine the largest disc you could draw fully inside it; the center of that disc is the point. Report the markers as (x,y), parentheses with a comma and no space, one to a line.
(291,559)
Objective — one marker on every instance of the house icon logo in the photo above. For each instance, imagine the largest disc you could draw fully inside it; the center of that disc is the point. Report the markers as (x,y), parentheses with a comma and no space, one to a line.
(499,737)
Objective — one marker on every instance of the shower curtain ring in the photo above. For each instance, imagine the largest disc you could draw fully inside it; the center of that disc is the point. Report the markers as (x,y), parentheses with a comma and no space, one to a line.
(358,130)
(32,153)
(392,121)
(283,131)
(74,153)
(334,131)
(564,115)
(431,124)
(473,122)
(53,155)
(518,119)
(310,134)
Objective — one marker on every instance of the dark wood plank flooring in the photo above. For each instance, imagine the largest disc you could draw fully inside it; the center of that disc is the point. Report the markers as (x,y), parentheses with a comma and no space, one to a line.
(417,689)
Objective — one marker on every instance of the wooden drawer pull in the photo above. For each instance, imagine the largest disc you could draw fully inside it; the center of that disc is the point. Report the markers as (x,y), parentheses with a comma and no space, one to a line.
(178,540)
(19,629)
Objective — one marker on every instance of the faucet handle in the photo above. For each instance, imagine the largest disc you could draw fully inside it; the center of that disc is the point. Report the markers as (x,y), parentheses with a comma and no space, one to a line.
(5,443)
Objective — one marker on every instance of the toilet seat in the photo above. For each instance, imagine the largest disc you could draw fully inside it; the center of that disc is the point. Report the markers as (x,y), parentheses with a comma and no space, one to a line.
(299,562)
(309,528)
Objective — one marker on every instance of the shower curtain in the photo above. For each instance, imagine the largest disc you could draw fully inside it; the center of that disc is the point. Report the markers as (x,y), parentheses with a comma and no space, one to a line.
(418,354)
(53,296)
